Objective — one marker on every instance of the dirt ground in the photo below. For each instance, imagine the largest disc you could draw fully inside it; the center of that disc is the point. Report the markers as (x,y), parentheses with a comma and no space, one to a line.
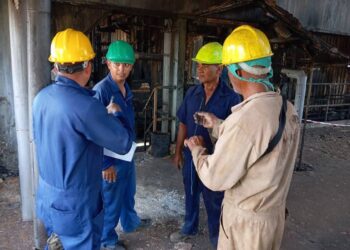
(318,201)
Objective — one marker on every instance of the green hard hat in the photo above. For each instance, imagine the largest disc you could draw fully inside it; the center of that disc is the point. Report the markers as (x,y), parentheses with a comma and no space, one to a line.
(121,52)
(210,53)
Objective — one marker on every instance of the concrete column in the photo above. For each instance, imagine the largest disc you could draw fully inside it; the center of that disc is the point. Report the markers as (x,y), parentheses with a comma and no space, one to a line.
(17,21)
(38,47)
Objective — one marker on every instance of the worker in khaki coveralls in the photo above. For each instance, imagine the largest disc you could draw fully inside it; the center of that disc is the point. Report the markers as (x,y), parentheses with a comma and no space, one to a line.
(255,181)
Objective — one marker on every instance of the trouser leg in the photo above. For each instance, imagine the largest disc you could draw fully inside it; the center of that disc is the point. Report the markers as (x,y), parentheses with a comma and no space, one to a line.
(212,202)
(113,198)
(129,218)
(192,194)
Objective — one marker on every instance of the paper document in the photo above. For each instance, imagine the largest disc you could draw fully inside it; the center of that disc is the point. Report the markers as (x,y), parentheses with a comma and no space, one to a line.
(127,157)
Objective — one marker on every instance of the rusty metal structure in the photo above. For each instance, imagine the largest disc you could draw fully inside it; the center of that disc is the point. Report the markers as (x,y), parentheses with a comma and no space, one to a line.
(294,47)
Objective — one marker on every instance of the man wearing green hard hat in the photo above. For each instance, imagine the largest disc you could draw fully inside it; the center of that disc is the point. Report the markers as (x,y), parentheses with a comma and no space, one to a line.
(119,178)
(212,95)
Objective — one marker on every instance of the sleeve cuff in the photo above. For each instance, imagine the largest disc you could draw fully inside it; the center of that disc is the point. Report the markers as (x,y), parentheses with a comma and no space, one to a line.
(107,162)
(215,130)
(196,152)
(118,114)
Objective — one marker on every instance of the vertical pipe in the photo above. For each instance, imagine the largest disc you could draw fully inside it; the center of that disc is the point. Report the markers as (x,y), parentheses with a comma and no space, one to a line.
(299,167)
(328,101)
(175,65)
(178,71)
(38,47)
(18,49)
(301,78)
(155,108)
(166,74)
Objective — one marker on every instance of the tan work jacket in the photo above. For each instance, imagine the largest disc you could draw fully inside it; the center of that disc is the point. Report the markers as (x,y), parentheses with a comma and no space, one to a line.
(255,186)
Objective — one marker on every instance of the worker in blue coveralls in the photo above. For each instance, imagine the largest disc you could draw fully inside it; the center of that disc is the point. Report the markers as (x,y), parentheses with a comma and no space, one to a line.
(119,177)
(212,95)
(71,128)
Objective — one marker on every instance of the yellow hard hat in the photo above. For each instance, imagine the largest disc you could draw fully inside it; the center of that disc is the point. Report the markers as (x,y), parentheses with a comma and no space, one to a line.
(71,46)
(245,43)
(210,53)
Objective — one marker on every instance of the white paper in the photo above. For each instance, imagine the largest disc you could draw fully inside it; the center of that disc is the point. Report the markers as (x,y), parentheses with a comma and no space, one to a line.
(127,157)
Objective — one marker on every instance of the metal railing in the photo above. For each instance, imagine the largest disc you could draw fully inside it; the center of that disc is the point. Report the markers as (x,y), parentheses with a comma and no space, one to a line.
(330,101)
(153,109)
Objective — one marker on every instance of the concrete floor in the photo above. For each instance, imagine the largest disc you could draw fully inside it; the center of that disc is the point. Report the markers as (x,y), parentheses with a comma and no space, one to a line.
(318,201)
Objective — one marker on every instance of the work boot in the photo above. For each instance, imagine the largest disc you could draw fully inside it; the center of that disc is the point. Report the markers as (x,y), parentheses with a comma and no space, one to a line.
(54,243)
(179,236)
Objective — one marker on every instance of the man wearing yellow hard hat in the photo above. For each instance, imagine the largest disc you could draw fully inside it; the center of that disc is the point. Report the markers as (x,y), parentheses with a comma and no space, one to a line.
(212,95)
(71,128)
(255,151)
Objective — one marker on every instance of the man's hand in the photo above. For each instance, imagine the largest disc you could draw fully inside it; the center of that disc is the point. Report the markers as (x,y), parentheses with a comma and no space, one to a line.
(178,160)
(194,141)
(109,174)
(207,120)
(113,108)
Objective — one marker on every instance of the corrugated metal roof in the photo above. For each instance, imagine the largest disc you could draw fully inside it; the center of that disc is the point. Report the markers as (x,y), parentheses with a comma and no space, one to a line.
(328,16)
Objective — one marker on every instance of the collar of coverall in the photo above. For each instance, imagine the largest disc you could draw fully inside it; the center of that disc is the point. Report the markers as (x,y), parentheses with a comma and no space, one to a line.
(254,96)
(64,81)
(220,88)
(115,88)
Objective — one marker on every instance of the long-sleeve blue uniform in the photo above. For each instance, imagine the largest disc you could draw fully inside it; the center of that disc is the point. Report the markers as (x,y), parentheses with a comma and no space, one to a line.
(220,104)
(70,130)
(118,197)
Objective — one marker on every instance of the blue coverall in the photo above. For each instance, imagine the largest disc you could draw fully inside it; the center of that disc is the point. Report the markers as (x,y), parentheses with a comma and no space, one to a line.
(70,130)
(220,104)
(119,196)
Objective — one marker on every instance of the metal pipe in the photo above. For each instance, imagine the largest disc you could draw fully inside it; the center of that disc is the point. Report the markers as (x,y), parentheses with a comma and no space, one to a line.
(38,47)
(166,73)
(155,109)
(301,78)
(20,92)
(178,71)
(299,167)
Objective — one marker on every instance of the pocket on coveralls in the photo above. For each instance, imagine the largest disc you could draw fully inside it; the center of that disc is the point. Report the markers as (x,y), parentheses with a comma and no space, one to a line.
(65,222)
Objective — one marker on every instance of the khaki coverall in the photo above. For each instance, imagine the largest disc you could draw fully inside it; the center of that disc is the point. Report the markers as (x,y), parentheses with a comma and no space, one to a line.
(255,187)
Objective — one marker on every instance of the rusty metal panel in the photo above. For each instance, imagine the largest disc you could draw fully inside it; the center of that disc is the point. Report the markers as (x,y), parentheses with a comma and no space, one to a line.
(329,16)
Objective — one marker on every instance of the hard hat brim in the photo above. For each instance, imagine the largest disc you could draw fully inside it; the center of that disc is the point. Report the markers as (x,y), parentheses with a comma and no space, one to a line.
(205,62)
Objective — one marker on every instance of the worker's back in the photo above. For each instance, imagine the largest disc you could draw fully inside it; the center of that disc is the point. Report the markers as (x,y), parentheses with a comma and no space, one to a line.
(266,182)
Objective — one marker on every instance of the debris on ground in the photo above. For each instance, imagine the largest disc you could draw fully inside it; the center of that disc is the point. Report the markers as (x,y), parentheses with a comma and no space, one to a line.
(318,201)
